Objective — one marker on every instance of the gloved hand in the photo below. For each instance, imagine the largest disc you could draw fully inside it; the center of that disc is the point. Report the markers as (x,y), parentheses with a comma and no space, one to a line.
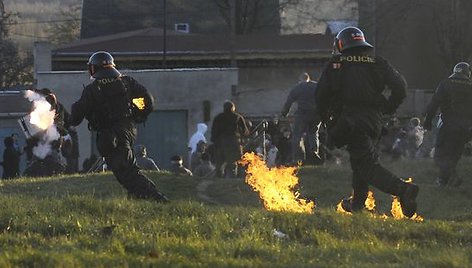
(428,123)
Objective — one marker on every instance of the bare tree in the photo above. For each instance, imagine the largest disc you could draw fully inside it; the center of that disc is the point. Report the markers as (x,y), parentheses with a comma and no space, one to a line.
(252,15)
(14,70)
(68,28)
(451,20)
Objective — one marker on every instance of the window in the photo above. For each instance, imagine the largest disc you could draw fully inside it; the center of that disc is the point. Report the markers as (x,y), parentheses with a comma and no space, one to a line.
(182,27)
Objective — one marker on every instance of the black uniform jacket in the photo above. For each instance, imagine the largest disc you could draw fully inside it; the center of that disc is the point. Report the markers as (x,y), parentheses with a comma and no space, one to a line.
(359,81)
(351,88)
(454,98)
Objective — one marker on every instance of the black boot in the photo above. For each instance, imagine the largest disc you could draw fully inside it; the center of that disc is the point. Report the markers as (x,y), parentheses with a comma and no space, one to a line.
(408,193)
(346,204)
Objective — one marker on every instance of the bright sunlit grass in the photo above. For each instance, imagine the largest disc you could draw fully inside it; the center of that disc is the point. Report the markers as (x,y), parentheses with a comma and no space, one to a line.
(87,221)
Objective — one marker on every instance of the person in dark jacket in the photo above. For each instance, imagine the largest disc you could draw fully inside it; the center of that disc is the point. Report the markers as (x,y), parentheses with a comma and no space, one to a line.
(349,100)
(106,105)
(70,151)
(11,159)
(306,123)
(453,98)
(227,131)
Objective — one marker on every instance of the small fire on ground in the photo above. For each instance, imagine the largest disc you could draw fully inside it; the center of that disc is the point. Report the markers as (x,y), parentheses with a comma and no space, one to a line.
(395,211)
(276,186)
(369,204)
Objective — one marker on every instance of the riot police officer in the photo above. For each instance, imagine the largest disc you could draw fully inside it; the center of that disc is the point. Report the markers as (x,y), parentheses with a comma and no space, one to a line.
(453,97)
(349,100)
(106,105)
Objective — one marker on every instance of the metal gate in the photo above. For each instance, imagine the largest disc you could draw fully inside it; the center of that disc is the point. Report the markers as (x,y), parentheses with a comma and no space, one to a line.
(165,134)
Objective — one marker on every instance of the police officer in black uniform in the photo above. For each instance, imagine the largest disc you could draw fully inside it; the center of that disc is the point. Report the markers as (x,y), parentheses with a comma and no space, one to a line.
(453,98)
(105,104)
(349,100)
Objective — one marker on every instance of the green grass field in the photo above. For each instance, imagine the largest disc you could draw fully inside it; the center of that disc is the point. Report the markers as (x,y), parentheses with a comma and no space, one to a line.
(87,221)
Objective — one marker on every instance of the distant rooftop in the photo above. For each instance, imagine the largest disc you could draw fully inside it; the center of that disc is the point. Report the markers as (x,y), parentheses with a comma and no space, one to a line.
(150,41)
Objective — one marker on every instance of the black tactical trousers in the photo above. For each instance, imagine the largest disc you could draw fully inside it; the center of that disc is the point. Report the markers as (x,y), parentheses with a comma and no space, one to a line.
(115,144)
(450,144)
(361,137)
(368,171)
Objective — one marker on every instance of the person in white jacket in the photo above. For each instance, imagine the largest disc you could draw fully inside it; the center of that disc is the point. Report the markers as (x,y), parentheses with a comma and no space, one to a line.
(198,136)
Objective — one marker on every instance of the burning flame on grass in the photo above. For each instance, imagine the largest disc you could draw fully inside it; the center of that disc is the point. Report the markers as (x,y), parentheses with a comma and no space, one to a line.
(369,204)
(396,209)
(276,186)
(397,213)
(42,117)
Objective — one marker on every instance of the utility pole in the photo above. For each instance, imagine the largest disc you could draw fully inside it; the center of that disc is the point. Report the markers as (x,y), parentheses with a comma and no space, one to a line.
(2,21)
(2,17)
(164,33)
(233,33)
(374,24)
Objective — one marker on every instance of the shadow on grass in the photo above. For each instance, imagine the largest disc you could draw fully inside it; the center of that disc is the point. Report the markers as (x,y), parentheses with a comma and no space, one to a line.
(99,185)
(327,185)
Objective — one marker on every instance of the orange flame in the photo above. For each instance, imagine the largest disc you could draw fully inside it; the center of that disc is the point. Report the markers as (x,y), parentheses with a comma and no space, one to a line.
(276,186)
(397,213)
(370,201)
(340,209)
(396,209)
(369,204)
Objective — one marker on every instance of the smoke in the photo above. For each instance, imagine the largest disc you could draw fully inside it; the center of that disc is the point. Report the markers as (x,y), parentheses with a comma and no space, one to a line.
(42,117)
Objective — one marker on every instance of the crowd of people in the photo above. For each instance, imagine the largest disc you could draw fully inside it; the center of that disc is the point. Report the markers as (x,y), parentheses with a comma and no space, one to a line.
(345,110)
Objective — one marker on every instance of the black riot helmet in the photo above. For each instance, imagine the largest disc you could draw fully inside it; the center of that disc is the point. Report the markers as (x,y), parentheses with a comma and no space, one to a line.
(102,65)
(349,37)
(461,70)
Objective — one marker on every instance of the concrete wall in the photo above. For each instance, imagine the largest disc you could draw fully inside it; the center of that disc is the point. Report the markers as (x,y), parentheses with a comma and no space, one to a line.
(262,91)
(184,89)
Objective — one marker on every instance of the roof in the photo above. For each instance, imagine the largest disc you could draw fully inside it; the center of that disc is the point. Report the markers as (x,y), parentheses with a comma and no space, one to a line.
(150,41)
